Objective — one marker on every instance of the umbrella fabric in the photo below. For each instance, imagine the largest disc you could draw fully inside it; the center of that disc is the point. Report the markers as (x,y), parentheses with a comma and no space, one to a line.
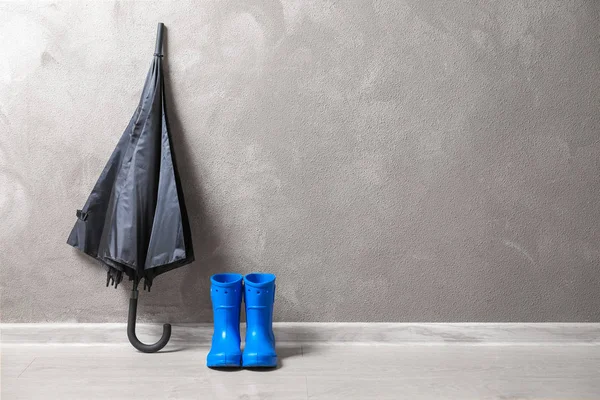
(135,220)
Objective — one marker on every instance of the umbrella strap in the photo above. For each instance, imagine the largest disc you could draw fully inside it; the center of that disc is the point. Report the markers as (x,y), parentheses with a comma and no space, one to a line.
(113,277)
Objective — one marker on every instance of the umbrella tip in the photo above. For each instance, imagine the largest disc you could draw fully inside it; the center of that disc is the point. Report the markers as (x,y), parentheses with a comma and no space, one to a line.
(159,39)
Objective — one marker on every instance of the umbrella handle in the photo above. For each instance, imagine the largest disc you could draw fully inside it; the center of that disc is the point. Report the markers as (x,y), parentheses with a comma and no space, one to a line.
(159,39)
(135,342)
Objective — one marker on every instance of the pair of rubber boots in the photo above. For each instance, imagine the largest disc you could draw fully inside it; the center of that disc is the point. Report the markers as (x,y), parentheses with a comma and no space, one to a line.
(226,293)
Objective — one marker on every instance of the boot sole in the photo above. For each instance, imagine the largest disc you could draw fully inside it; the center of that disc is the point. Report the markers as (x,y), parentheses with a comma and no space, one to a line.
(258,361)
(227,361)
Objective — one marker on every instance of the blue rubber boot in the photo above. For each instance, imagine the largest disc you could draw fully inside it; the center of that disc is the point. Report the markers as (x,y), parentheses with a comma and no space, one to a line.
(259,295)
(226,296)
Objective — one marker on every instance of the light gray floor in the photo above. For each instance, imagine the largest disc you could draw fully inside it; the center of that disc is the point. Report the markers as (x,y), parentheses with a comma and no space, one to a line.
(314,371)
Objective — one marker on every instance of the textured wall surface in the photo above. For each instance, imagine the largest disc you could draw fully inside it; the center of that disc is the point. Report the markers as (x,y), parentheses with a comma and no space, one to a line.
(388,160)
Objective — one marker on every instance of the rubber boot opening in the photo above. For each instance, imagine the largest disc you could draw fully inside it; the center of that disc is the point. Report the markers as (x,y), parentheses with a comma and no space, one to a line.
(259,279)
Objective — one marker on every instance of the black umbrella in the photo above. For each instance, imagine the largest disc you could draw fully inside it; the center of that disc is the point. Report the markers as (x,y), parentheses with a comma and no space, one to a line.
(135,221)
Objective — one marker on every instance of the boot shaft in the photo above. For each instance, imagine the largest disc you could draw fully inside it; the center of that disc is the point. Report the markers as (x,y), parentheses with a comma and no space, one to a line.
(259,291)
(226,291)
(259,295)
(226,295)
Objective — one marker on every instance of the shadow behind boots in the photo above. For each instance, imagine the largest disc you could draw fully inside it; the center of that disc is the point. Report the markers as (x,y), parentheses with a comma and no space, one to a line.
(259,295)
(226,296)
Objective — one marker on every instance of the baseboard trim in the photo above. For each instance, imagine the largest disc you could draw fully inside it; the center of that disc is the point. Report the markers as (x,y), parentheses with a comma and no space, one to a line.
(382,333)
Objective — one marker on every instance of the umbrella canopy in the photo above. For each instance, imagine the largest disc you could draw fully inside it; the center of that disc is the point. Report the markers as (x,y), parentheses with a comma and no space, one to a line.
(135,221)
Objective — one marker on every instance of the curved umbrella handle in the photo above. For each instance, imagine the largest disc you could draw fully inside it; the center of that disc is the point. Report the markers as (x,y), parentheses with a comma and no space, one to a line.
(135,342)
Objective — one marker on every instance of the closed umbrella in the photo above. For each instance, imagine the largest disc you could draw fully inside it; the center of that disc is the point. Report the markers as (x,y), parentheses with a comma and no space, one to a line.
(135,221)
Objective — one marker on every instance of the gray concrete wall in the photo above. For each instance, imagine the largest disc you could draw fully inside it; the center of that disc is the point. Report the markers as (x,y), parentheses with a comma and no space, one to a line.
(388,160)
